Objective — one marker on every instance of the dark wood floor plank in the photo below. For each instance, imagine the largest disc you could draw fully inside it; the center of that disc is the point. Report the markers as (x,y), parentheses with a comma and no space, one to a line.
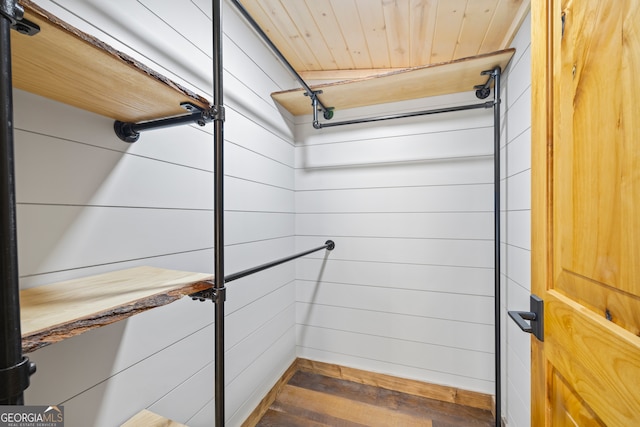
(346,409)
(415,406)
(283,419)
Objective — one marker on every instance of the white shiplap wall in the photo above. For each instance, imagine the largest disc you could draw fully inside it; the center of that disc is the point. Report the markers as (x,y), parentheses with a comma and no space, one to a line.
(516,230)
(88,203)
(409,288)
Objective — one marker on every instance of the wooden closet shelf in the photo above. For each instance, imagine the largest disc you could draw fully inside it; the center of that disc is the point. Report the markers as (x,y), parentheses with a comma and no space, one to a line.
(75,68)
(54,312)
(418,82)
(147,418)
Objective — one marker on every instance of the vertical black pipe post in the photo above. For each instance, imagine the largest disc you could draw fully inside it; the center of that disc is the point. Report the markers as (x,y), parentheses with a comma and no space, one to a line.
(496,210)
(10,334)
(219,284)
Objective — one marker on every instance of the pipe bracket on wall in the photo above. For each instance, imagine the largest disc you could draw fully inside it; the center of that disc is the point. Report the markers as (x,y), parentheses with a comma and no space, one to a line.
(14,12)
(327,112)
(484,90)
(130,132)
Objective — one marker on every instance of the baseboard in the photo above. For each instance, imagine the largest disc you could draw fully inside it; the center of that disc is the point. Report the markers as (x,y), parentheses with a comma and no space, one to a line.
(266,402)
(403,385)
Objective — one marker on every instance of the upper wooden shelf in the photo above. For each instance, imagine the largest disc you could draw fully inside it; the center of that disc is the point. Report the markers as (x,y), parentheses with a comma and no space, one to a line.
(52,313)
(419,82)
(70,66)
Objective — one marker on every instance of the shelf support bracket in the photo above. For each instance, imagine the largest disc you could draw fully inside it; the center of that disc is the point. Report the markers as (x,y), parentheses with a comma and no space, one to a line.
(130,132)
(11,10)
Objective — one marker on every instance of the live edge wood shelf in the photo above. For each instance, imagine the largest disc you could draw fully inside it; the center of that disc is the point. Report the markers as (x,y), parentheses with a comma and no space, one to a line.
(54,312)
(419,82)
(75,68)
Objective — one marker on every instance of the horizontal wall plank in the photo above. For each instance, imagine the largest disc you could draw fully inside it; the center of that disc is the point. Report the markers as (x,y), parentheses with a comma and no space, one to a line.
(244,256)
(187,145)
(519,115)
(435,225)
(253,135)
(113,402)
(55,171)
(450,361)
(518,265)
(56,238)
(243,195)
(451,279)
(410,148)
(179,404)
(519,228)
(254,288)
(518,156)
(455,307)
(243,323)
(252,347)
(440,332)
(446,198)
(418,173)
(67,368)
(247,227)
(248,388)
(461,253)
(241,162)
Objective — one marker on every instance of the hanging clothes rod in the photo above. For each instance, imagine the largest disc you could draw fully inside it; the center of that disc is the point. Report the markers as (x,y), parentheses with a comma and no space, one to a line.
(318,125)
(206,294)
(327,111)
(328,245)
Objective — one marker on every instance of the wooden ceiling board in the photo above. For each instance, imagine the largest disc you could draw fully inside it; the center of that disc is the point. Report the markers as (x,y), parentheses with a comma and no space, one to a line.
(277,38)
(296,41)
(371,22)
(476,22)
(326,19)
(423,24)
(67,65)
(432,80)
(314,38)
(506,12)
(447,31)
(381,34)
(397,23)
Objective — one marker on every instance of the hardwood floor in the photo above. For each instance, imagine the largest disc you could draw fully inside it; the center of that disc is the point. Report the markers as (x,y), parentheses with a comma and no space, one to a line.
(313,399)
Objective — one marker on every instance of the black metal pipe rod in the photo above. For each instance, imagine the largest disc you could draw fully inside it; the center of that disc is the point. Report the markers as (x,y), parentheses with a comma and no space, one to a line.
(130,132)
(10,334)
(166,122)
(219,284)
(496,211)
(276,51)
(487,104)
(329,245)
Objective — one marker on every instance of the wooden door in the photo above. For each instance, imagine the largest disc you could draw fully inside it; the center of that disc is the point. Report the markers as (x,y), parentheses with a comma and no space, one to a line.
(586,211)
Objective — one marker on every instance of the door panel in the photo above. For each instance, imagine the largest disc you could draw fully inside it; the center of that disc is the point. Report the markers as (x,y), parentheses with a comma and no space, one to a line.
(568,408)
(586,222)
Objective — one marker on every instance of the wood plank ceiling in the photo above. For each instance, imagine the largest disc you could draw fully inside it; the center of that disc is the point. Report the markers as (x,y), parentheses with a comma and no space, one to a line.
(332,40)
